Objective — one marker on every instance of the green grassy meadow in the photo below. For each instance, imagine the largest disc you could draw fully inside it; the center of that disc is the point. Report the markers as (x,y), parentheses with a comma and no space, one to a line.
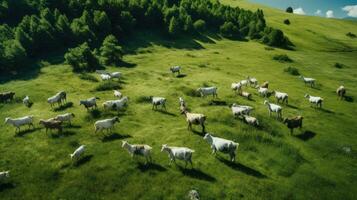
(271,164)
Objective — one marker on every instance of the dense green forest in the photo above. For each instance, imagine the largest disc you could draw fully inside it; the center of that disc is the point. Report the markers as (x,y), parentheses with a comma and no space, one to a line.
(90,28)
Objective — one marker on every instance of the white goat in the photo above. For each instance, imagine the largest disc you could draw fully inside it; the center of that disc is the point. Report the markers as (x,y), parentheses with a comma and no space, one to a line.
(138,149)
(116,104)
(105,124)
(158,101)
(4,175)
(26,101)
(222,145)
(117,94)
(274,108)
(105,77)
(281,96)
(252,81)
(315,100)
(205,91)
(236,87)
(244,82)
(263,91)
(18,122)
(239,110)
(310,81)
(65,117)
(245,94)
(89,103)
(251,120)
(175,69)
(55,99)
(181,153)
(117,75)
(77,153)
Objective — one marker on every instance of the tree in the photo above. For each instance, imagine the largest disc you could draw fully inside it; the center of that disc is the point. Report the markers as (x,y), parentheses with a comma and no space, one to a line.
(82,58)
(287,21)
(174,26)
(111,52)
(188,25)
(199,25)
(228,29)
(14,54)
(102,24)
(289,10)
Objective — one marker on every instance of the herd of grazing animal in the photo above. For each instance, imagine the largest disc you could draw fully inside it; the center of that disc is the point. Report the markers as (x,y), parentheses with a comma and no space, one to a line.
(174,153)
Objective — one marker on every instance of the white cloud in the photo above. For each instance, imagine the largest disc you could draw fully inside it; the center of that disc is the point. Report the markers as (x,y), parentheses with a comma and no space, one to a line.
(329,14)
(351,10)
(299,11)
(318,12)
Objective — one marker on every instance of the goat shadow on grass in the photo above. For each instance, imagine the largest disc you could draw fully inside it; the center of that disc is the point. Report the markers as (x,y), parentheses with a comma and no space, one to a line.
(181,76)
(25,132)
(64,133)
(123,63)
(63,107)
(291,106)
(5,186)
(242,168)
(83,160)
(73,126)
(327,111)
(200,133)
(217,103)
(306,135)
(349,98)
(166,112)
(114,136)
(197,174)
(150,166)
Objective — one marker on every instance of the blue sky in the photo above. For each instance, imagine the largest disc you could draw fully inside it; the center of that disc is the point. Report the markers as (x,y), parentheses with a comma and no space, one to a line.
(329,8)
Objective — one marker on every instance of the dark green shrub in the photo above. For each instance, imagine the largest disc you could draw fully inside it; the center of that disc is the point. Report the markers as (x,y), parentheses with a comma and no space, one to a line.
(289,10)
(287,21)
(88,77)
(108,85)
(339,65)
(199,25)
(292,70)
(282,58)
(351,35)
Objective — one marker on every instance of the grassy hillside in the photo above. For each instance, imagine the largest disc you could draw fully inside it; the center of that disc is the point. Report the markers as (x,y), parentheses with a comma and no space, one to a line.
(313,164)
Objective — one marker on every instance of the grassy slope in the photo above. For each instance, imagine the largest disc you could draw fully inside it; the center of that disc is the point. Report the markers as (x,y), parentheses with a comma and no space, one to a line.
(271,164)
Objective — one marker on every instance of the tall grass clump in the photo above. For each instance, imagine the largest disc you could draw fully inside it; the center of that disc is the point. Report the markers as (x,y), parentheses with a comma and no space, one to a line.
(282,58)
(88,77)
(338,65)
(292,70)
(108,85)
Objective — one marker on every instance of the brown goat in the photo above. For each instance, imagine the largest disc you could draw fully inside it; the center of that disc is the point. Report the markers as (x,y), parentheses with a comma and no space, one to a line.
(52,124)
(294,122)
(265,85)
(4,97)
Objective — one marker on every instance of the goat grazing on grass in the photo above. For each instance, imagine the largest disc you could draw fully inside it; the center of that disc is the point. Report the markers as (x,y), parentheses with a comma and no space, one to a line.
(26,101)
(175,69)
(52,124)
(117,94)
(89,103)
(138,149)
(105,124)
(274,108)
(263,92)
(253,82)
(341,92)
(222,145)
(245,94)
(65,117)
(281,96)
(237,87)
(116,104)
(294,122)
(239,110)
(18,122)
(250,120)
(315,100)
(4,175)
(310,81)
(158,101)
(181,153)
(194,118)
(6,96)
(77,153)
(205,91)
